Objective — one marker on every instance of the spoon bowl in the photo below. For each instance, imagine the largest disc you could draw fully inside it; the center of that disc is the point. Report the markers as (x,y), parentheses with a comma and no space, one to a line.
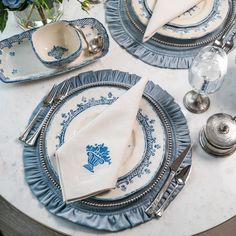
(95,45)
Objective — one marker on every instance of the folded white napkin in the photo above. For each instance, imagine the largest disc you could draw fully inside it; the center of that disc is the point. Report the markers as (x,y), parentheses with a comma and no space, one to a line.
(89,162)
(164,12)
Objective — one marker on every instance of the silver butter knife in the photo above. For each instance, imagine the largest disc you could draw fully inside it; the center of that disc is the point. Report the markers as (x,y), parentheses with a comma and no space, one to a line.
(151,210)
(180,181)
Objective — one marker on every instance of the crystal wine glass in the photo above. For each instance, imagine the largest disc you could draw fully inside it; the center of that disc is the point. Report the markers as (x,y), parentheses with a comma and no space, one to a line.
(206,76)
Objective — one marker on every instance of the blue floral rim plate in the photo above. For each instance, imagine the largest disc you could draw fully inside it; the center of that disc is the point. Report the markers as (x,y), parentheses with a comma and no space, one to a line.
(16,52)
(199,21)
(160,134)
(161,51)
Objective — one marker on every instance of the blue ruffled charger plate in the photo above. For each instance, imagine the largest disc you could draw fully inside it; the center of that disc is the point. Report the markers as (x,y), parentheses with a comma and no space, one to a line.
(163,50)
(159,135)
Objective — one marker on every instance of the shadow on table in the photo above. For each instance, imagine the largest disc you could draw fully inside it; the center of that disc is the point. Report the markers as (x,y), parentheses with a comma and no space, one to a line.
(226,96)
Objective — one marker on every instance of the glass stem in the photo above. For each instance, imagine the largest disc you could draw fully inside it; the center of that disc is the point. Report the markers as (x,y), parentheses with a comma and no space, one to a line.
(29,16)
(42,15)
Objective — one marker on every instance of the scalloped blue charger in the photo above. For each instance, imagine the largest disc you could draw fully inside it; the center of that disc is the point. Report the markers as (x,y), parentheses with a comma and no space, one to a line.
(169,48)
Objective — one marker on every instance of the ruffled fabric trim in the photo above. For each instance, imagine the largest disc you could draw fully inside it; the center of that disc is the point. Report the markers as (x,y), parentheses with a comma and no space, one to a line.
(160,56)
(130,215)
(165,59)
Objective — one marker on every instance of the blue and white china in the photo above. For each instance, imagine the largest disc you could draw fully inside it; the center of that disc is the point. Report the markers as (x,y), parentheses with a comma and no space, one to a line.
(177,48)
(56,44)
(160,133)
(197,22)
(16,52)
(146,148)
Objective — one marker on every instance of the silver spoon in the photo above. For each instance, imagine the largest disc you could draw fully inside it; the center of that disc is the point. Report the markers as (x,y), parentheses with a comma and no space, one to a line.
(95,45)
(220,41)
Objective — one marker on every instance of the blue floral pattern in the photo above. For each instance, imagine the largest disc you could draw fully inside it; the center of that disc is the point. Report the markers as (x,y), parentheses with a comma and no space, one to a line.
(57,52)
(97,154)
(215,14)
(151,145)
(82,106)
(25,37)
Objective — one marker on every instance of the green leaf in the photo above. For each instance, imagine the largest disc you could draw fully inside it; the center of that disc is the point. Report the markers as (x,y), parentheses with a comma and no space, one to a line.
(3,19)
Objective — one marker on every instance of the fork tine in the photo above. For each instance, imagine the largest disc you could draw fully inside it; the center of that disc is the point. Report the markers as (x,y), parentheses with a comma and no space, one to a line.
(59,92)
(68,88)
(63,91)
(49,98)
(65,88)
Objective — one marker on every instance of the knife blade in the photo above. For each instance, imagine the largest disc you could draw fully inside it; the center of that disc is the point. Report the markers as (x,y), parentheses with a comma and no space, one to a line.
(151,210)
(180,180)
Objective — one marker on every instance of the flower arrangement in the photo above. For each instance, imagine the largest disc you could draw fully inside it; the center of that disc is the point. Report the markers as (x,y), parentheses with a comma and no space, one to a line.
(40,5)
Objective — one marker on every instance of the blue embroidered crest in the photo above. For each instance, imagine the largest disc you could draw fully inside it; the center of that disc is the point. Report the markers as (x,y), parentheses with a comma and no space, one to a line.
(97,154)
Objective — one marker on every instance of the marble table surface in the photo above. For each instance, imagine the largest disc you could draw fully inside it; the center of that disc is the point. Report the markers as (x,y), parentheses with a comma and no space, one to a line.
(208,198)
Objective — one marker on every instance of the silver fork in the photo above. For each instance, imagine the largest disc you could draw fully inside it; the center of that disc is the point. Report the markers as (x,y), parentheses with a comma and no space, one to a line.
(46,102)
(63,92)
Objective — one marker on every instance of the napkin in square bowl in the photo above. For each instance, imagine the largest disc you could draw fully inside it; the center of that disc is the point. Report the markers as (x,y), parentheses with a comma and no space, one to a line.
(164,12)
(89,163)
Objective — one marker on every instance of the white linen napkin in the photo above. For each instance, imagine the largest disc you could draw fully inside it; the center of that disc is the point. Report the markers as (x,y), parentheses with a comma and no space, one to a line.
(164,12)
(89,162)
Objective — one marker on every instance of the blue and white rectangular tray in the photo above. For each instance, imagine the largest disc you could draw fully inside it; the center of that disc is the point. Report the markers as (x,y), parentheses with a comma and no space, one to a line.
(18,62)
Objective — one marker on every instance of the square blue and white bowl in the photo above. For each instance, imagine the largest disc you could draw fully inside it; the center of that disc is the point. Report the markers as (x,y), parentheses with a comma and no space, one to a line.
(56,44)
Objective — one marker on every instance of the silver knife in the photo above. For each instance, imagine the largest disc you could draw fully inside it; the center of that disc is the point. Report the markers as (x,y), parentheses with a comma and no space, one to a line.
(180,180)
(151,210)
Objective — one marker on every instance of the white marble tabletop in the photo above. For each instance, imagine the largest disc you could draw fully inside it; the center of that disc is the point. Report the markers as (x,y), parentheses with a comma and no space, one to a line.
(208,198)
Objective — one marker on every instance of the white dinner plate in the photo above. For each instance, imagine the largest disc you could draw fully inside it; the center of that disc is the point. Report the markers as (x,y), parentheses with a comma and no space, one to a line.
(197,22)
(146,148)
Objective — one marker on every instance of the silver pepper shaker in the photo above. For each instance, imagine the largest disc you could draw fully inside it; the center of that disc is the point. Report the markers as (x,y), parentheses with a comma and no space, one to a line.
(218,137)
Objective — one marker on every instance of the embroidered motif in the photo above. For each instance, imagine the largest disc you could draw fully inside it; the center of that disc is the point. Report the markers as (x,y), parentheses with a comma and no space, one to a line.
(97,154)
(57,52)
(151,145)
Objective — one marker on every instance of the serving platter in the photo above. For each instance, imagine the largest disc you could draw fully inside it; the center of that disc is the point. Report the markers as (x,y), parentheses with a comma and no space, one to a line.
(18,62)
(197,22)
(159,135)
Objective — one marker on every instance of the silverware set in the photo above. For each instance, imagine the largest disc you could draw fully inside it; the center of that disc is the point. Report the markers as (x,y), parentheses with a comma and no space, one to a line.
(159,204)
(55,95)
(179,176)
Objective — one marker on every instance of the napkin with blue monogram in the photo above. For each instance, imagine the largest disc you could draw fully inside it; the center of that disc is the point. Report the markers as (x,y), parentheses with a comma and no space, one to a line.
(164,12)
(89,163)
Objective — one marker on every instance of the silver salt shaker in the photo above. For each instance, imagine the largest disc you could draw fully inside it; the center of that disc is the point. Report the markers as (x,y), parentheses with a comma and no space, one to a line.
(218,137)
